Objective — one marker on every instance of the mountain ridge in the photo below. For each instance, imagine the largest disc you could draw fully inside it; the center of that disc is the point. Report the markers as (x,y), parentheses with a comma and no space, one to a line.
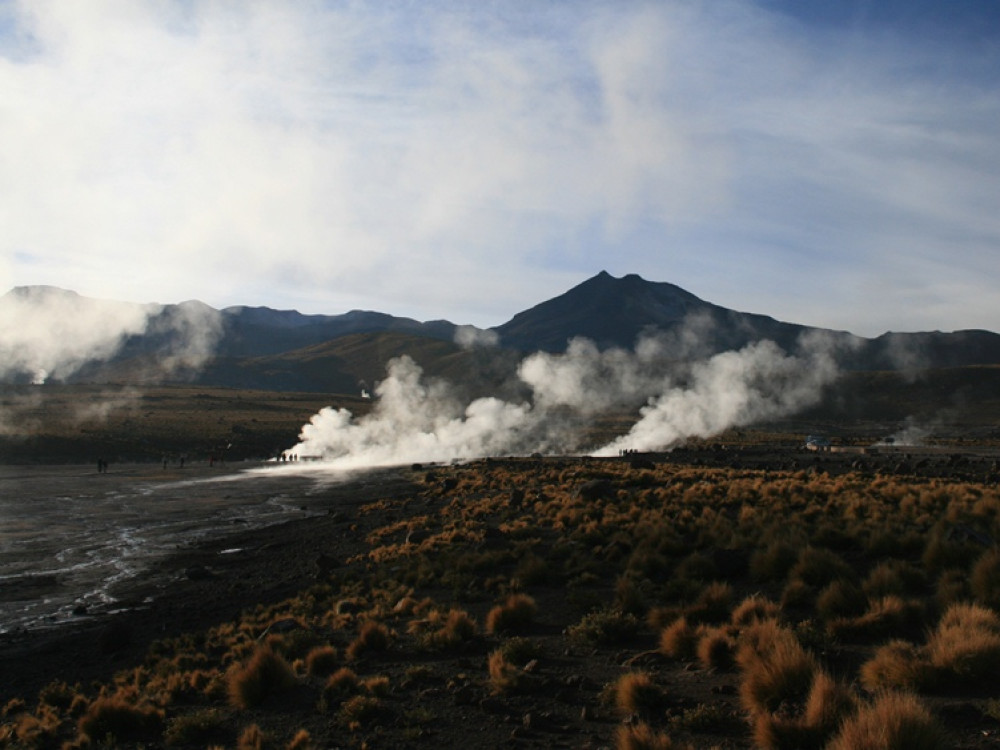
(261,347)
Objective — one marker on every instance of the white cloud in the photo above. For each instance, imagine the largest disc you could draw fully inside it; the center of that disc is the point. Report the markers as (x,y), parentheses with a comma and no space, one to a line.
(461,161)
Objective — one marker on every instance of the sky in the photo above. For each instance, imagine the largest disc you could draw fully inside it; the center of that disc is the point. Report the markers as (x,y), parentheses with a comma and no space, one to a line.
(831,164)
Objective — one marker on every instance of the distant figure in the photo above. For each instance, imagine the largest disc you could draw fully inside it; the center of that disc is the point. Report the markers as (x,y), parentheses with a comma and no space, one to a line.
(164,461)
(102,466)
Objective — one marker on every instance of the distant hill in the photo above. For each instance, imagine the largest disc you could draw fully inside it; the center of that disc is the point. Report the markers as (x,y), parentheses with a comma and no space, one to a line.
(614,312)
(262,348)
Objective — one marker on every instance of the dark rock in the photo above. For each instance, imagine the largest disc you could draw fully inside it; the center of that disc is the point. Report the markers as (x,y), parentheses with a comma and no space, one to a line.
(595,489)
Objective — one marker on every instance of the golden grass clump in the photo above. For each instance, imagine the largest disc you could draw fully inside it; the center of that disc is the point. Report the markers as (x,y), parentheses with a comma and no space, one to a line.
(895,721)
(985,578)
(886,617)
(637,693)
(897,664)
(776,668)
(321,661)
(680,639)
(516,614)
(828,704)
(840,598)
(505,677)
(966,644)
(264,674)
(754,607)
(374,636)
(641,736)
(818,567)
(716,648)
(121,719)
(341,684)
(713,604)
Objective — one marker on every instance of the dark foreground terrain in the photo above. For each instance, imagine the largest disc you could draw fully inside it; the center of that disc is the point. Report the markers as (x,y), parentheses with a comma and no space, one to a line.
(729,597)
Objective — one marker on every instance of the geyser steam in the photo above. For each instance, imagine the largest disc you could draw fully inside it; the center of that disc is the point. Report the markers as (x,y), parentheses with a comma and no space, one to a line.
(419,419)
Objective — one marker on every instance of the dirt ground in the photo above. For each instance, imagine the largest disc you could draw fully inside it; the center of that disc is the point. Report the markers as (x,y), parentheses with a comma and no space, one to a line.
(197,588)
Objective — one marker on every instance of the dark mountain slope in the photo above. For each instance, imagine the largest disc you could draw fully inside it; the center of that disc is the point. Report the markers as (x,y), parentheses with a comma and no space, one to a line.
(614,312)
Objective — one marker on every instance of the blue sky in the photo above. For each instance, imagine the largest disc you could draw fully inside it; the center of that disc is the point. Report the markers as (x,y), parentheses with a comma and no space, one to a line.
(834,164)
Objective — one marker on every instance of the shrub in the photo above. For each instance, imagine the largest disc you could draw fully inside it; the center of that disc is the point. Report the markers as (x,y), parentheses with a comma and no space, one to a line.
(895,721)
(604,628)
(264,674)
(679,640)
(713,604)
(202,727)
(340,685)
(754,607)
(773,562)
(374,636)
(520,650)
(321,661)
(117,718)
(641,736)
(504,676)
(715,649)
(897,664)
(636,693)
(783,671)
(358,710)
(895,577)
(252,738)
(818,567)
(515,614)
(889,616)
(985,579)
(966,645)
(840,599)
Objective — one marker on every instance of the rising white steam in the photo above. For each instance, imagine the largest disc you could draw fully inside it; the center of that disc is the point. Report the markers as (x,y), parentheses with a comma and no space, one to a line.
(48,333)
(419,420)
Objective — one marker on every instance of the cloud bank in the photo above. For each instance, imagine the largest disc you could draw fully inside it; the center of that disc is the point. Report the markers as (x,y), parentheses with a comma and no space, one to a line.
(327,156)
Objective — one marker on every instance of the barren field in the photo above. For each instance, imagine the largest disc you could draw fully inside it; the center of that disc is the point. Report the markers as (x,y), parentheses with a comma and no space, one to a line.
(721,597)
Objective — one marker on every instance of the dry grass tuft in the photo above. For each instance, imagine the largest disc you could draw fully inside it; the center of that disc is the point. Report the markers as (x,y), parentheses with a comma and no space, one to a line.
(374,636)
(264,674)
(895,721)
(716,648)
(515,614)
(636,693)
(897,664)
(754,607)
(775,671)
(679,640)
(114,717)
(641,736)
(321,661)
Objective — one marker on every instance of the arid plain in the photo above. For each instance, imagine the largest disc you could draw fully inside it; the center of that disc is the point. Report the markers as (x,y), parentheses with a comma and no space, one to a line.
(734,594)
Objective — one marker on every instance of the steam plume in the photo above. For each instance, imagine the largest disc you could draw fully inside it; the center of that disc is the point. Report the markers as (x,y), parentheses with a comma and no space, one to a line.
(416,419)
(48,333)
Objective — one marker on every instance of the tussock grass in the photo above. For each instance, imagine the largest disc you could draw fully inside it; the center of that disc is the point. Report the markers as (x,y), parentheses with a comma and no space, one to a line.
(118,718)
(642,736)
(680,639)
(637,693)
(516,614)
(321,661)
(776,669)
(263,675)
(895,721)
